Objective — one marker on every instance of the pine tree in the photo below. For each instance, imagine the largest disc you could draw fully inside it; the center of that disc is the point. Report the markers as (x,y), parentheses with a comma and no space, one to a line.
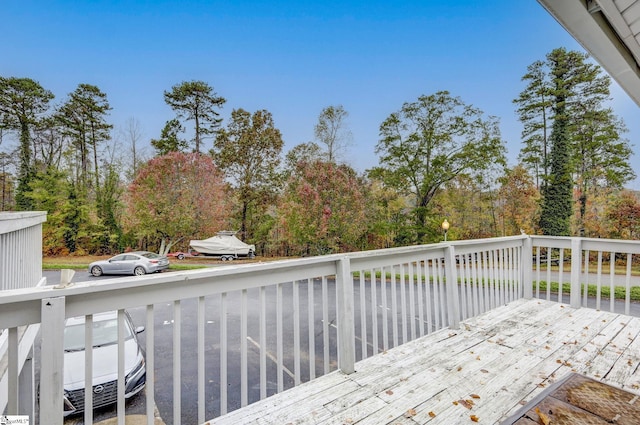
(584,151)
(557,197)
(22,101)
(197,101)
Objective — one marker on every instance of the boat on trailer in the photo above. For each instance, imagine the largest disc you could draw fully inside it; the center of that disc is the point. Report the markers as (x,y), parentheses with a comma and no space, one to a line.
(224,244)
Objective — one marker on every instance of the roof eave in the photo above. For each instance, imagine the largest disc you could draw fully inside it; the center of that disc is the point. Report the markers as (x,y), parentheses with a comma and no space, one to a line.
(594,32)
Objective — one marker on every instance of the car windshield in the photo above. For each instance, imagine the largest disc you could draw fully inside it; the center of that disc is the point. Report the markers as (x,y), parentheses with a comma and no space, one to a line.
(105,332)
(150,255)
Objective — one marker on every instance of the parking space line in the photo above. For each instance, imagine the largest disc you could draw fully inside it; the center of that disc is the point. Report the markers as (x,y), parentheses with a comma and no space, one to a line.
(271,356)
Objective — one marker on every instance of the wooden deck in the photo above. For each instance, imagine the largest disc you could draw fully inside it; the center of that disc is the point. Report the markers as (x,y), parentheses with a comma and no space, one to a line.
(483,373)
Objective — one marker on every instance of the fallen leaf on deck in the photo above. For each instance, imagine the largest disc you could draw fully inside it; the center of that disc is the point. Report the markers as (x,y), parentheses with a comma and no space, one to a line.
(455,403)
(459,368)
(544,419)
(484,371)
(389,392)
(474,418)
(475,396)
(410,413)
(433,415)
(466,403)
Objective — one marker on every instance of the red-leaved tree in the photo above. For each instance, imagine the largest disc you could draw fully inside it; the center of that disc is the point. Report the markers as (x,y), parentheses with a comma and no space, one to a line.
(177,197)
(323,208)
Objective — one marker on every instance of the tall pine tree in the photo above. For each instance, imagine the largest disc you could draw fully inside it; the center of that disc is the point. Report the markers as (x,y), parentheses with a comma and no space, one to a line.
(584,151)
(557,197)
(22,101)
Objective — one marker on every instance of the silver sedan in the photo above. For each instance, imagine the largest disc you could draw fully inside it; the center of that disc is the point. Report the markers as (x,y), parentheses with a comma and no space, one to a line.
(105,361)
(137,263)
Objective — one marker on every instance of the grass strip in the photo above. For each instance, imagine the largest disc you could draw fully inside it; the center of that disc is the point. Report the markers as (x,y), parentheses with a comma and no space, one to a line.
(592,290)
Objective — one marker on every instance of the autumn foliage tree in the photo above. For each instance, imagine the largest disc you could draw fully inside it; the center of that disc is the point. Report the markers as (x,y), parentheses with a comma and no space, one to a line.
(323,208)
(517,200)
(469,207)
(248,152)
(174,197)
(624,216)
(431,142)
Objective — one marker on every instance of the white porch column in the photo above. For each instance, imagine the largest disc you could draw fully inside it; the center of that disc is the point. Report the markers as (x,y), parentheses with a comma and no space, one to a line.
(451,283)
(526,268)
(576,271)
(346,322)
(51,370)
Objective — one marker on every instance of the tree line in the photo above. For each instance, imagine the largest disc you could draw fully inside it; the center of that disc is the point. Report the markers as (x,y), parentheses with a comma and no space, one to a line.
(439,157)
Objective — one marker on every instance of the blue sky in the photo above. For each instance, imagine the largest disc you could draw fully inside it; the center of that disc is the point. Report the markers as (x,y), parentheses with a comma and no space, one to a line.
(291,58)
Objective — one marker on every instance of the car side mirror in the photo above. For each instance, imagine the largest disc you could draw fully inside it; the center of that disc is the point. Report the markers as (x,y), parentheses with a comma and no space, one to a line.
(139,329)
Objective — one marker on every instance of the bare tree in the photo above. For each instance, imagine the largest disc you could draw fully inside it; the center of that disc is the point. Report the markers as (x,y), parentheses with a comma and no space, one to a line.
(333,132)
(132,134)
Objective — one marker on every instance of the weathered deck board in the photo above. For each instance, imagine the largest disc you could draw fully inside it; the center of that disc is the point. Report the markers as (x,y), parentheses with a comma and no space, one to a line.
(494,363)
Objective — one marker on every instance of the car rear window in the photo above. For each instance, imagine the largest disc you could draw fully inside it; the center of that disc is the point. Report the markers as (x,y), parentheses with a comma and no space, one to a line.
(150,255)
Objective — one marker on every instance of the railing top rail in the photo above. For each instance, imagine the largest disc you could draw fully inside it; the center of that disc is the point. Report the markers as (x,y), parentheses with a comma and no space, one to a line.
(464,247)
(551,241)
(591,244)
(392,256)
(611,245)
(13,221)
(489,241)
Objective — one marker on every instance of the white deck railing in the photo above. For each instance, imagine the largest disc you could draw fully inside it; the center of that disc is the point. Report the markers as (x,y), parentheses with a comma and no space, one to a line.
(582,264)
(251,330)
(21,249)
(20,267)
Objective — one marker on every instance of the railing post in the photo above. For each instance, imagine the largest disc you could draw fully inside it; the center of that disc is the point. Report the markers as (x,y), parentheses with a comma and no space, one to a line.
(51,369)
(526,268)
(346,322)
(27,388)
(576,266)
(451,284)
(13,369)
